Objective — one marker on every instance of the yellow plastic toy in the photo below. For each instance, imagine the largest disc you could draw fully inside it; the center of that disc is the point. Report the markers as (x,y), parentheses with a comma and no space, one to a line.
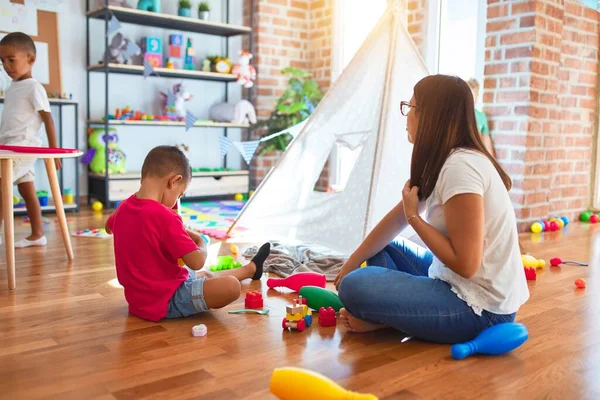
(297,316)
(292,383)
(532,262)
(234,249)
(238,197)
(97,206)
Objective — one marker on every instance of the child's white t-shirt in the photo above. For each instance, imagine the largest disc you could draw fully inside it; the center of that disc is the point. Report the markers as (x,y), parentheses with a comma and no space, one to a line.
(499,286)
(21,121)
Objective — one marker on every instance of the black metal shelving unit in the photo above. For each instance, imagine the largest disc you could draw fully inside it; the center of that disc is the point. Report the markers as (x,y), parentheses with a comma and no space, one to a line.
(59,104)
(98,185)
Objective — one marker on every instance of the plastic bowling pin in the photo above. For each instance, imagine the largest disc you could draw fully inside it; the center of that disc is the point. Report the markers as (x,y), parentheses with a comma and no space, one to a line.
(292,383)
(297,281)
(317,297)
(498,339)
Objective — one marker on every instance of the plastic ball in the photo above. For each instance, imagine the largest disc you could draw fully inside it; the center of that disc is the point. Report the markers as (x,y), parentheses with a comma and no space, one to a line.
(593,219)
(565,220)
(554,226)
(238,197)
(542,224)
(97,206)
(546,225)
(536,227)
(580,283)
(560,223)
(585,216)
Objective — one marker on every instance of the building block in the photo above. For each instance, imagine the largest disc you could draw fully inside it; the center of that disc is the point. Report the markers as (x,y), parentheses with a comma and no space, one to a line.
(176,40)
(254,300)
(175,51)
(530,274)
(327,317)
(152,45)
(177,62)
(155,60)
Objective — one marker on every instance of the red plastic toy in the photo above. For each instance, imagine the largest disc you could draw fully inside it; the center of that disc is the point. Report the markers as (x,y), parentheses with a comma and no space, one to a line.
(580,283)
(593,219)
(555,262)
(254,300)
(327,316)
(38,150)
(530,274)
(297,281)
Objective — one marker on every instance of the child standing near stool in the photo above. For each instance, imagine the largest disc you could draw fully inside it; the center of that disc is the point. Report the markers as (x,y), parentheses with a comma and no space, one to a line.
(149,238)
(26,107)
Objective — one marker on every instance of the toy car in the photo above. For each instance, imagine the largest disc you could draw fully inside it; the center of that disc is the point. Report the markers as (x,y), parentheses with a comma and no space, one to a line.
(298,316)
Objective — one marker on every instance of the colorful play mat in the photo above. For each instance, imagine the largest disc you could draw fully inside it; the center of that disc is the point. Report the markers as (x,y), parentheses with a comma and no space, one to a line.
(213,218)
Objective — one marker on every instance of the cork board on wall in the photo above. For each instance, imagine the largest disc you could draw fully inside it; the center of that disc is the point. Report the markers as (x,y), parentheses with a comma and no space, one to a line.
(48,34)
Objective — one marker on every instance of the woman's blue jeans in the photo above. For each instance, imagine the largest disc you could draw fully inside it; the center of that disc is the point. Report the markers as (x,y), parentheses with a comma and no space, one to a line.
(395,290)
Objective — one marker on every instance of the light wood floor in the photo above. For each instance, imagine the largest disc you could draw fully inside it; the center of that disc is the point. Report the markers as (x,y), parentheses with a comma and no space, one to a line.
(65,333)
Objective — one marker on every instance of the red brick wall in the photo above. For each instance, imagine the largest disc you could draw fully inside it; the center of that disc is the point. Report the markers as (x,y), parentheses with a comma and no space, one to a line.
(539,93)
(417,22)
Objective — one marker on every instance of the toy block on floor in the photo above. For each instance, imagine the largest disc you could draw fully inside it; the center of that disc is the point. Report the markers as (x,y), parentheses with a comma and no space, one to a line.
(254,300)
(327,317)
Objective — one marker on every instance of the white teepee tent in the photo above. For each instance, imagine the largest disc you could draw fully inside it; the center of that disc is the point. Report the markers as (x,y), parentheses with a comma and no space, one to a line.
(362,110)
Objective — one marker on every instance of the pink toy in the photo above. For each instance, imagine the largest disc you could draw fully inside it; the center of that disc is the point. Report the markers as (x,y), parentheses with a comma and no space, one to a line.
(254,300)
(327,317)
(245,72)
(199,330)
(580,283)
(556,261)
(297,281)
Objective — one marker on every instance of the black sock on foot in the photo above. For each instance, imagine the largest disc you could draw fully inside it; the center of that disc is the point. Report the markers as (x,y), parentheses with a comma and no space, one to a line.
(259,259)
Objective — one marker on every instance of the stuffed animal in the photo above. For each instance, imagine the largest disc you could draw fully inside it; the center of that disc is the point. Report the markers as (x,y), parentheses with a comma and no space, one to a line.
(245,72)
(178,110)
(242,112)
(96,155)
(118,54)
(149,5)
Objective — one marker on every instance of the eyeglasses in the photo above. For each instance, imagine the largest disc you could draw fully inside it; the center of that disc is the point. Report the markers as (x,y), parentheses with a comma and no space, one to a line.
(405,107)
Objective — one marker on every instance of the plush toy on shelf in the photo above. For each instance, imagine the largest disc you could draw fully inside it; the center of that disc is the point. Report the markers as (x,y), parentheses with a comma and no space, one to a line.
(118,54)
(96,155)
(246,74)
(242,112)
(149,5)
(177,111)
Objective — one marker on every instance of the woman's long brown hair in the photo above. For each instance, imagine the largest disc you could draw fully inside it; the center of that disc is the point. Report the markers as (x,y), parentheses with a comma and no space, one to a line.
(446,113)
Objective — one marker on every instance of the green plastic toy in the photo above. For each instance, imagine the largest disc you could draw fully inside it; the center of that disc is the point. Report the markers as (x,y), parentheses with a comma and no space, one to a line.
(317,297)
(225,262)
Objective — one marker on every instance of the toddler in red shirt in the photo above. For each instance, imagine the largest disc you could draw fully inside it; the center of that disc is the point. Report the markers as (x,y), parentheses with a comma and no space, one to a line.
(149,238)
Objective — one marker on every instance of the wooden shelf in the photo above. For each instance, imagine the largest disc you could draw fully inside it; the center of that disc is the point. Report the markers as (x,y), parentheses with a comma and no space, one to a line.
(167,21)
(138,175)
(119,122)
(53,101)
(49,207)
(164,72)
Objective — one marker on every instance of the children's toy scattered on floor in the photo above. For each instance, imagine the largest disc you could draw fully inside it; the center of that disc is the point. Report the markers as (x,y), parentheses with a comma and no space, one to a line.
(498,339)
(92,233)
(199,330)
(297,316)
(97,206)
(317,297)
(250,311)
(588,216)
(298,281)
(580,283)
(253,300)
(532,262)
(327,317)
(291,383)
(530,274)
(552,224)
(224,263)
(556,261)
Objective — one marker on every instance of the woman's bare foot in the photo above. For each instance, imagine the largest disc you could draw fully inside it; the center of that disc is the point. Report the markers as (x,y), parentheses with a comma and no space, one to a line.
(354,324)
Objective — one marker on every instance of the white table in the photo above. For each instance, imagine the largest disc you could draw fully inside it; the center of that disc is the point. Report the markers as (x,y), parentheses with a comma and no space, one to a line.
(6,171)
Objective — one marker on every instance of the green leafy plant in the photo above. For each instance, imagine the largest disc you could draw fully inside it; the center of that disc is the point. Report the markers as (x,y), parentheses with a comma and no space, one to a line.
(295,105)
(185,4)
(203,6)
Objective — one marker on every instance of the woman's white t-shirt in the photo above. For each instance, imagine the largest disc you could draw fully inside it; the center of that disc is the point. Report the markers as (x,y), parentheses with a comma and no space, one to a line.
(499,285)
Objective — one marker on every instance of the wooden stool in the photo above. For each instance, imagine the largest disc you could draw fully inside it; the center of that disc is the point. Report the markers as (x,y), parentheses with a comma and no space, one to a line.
(7,154)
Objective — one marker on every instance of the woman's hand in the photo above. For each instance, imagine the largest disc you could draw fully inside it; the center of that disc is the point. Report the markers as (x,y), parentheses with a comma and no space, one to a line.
(410,199)
(348,267)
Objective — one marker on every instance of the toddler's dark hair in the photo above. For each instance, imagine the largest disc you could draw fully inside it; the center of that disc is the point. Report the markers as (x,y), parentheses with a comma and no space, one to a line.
(19,40)
(164,160)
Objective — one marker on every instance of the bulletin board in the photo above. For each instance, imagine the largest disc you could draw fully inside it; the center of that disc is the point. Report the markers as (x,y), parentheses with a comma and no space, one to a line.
(47,54)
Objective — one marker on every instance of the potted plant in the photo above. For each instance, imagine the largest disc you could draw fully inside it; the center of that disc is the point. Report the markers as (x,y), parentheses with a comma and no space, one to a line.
(185,8)
(203,10)
(295,105)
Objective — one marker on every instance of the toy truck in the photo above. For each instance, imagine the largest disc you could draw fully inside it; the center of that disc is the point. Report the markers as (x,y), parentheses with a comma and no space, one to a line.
(297,316)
